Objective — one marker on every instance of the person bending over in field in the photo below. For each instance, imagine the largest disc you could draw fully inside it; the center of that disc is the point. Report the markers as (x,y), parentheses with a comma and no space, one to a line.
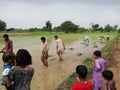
(99,67)
(8,44)
(44,53)
(82,84)
(60,47)
(21,75)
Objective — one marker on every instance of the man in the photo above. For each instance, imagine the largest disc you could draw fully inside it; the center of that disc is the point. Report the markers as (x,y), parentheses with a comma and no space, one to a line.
(60,47)
(8,44)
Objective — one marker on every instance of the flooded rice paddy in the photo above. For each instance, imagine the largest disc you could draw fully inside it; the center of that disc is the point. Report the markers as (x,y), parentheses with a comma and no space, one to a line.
(50,78)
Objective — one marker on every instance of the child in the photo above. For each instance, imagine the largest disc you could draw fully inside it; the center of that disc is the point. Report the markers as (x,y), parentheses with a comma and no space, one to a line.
(82,84)
(108,76)
(60,47)
(45,49)
(99,67)
(22,74)
(8,59)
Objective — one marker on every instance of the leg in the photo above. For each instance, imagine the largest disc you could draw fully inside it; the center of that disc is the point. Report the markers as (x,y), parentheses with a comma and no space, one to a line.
(43,59)
(46,57)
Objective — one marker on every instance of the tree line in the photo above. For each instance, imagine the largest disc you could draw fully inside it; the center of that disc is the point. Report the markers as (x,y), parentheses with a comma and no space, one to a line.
(67,27)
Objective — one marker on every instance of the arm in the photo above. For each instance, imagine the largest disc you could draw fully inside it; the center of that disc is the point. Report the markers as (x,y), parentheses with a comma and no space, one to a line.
(64,46)
(97,66)
(6,79)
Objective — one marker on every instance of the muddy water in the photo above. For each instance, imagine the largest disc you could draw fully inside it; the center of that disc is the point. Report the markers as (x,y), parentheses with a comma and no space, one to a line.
(50,78)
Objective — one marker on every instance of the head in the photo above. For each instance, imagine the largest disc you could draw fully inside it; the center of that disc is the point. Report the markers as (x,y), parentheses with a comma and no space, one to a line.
(23,58)
(6,37)
(97,54)
(43,39)
(81,70)
(107,75)
(8,58)
(55,37)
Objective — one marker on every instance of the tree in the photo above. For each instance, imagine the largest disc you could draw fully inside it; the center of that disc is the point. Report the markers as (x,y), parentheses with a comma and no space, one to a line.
(2,25)
(95,27)
(108,28)
(48,26)
(69,26)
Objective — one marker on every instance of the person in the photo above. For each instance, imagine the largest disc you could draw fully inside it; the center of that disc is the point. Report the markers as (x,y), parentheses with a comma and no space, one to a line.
(108,76)
(21,75)
(8,60)
(8,44)
(99,67)
(82,84)
(45,49)
(86,40)
(60,47)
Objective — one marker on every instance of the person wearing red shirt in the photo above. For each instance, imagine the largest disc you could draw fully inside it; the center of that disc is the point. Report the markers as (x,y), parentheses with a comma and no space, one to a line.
(8,44)
(82,84)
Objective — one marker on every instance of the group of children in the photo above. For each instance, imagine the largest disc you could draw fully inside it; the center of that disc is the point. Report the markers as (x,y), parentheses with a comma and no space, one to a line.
(60,47)
(99,73)
(17,72)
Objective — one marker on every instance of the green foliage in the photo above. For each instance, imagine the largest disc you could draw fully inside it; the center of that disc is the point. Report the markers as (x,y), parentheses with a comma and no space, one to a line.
(69,26)
(88,60)
(82,30)
(79,54)
(49,26)
(90,69)
(72,79)
(2,25)
(95,27)
(71,48)
(109,45)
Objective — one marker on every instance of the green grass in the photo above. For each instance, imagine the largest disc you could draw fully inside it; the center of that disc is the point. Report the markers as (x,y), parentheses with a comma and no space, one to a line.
(109,45)
(79,54)
(67,38)
(71,48)
(87,60)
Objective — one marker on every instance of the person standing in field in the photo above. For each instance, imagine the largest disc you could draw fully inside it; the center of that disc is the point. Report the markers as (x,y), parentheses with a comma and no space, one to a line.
(44,53)
(8,44)
(60,47)
(99,67)
(21,75)
(83,83)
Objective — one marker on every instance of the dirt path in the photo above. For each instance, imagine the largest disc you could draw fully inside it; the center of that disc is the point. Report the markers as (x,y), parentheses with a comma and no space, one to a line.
(50,78)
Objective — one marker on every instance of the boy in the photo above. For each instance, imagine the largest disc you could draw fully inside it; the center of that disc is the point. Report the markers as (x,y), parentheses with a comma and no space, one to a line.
(45,49)
(108,76)
(8,60)
(60,47)
(99,67)
(82,84)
